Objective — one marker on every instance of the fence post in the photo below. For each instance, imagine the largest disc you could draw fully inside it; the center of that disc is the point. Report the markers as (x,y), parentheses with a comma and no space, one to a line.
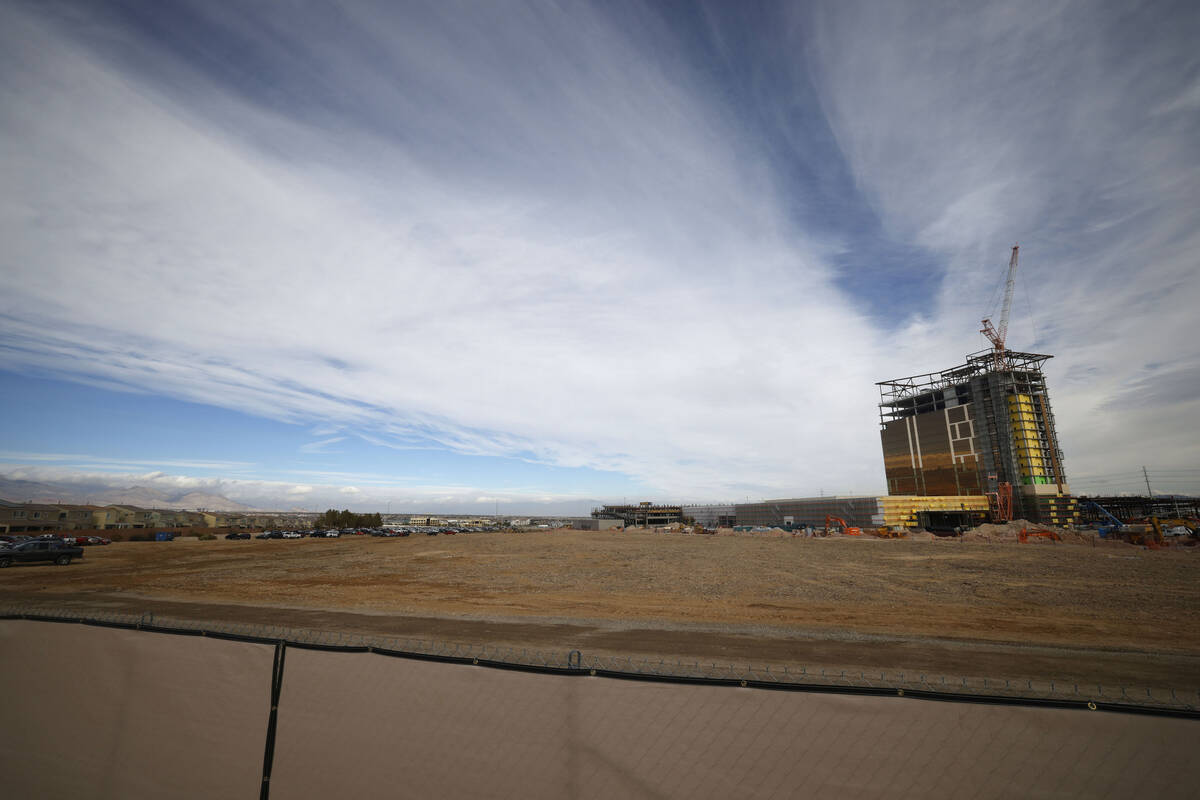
(276,685)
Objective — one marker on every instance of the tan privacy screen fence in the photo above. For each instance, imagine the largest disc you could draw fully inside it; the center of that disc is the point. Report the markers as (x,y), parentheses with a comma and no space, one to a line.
(98,711)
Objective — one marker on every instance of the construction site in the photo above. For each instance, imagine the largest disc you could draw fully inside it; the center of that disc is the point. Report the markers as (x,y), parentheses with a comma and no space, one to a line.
(797,645)
(972,444)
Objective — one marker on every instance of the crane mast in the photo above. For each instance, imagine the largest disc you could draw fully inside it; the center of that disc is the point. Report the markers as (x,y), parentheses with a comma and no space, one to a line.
(997,335)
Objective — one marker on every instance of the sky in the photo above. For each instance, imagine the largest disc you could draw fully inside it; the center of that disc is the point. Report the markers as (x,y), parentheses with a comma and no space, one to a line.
(520,256)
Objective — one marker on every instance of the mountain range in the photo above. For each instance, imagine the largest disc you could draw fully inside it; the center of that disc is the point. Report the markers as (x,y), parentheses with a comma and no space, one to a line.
(22,491)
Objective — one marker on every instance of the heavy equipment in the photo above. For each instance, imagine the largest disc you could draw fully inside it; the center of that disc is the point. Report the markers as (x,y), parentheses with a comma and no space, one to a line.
(1038,533)
(1189,525)
(885,532)
(1104,530)
(847,529)
(1152,538)
(998,335)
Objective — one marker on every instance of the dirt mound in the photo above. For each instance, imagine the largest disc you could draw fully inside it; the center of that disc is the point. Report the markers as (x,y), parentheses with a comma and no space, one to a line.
(1011,532)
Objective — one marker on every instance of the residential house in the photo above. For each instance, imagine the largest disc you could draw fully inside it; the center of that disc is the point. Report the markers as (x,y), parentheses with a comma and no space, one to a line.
(28,517)
(75,518)
(135,517)
(106,518)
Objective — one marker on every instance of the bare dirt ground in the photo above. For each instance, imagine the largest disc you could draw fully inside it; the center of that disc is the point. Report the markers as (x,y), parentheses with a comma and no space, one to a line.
(1116,615)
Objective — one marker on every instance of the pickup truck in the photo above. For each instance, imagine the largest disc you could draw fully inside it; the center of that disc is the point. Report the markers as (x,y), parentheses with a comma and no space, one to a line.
(40,550)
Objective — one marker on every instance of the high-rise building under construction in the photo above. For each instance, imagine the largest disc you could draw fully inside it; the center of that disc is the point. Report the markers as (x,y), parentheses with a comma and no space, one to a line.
(981,428)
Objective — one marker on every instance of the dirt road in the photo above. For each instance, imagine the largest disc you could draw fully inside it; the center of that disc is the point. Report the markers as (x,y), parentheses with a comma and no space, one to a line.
(1109,615)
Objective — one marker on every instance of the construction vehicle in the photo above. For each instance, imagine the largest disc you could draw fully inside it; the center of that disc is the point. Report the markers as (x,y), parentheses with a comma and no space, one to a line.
(1104,530)
(1190,525)
(1038,533)
(884,532)
(1152,538)
(847,529)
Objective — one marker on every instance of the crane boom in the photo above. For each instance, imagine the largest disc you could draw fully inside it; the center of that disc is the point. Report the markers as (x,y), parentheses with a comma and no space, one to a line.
(1008,293)
(998,335)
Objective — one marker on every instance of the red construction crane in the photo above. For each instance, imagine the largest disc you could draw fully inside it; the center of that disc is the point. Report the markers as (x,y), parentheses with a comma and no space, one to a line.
(998,335)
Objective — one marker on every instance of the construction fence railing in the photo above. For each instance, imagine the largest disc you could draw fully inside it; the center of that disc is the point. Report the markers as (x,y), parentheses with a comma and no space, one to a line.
(1048,692)
(110,705)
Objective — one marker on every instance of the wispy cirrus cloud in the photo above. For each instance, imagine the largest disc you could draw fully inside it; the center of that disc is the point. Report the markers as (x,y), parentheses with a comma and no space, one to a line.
(76,459)
(554,233)
(487,269)
(1071,130)
(322,445)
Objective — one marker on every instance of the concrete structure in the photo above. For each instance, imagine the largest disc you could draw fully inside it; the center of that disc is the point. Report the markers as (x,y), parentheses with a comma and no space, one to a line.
(984,428)
(643,514)
(596,524)
(864,511)
(425,520)
(718,515)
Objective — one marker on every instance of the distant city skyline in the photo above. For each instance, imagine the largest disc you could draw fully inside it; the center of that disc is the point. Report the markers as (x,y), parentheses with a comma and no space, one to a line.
(554,255)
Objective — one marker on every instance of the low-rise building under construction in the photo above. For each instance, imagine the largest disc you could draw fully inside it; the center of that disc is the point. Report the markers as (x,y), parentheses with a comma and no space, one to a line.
(641,515)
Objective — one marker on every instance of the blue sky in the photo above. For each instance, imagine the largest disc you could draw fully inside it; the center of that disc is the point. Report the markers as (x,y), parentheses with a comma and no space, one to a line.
(544,255)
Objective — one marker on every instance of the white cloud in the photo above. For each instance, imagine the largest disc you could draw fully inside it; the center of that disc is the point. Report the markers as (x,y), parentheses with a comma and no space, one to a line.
(576,281)
(972,130)
(321,446)
(534,236)
(79,484)
(74,459)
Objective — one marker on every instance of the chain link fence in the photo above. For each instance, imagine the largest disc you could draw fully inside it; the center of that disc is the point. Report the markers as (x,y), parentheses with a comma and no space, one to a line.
(573,661)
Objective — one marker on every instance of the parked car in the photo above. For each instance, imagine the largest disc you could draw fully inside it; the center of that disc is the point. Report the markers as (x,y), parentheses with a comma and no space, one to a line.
(85,541)
(40,550)
(236,535)
(292,535)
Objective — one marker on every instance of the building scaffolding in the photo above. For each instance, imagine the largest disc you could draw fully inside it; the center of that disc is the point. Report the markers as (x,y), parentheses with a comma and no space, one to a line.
(642,515)
(972,429)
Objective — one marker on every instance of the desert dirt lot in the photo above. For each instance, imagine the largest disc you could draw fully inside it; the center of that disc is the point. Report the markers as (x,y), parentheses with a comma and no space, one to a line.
(1112,615)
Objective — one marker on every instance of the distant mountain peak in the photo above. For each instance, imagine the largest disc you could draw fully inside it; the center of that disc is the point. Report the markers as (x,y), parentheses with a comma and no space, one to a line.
(22,491)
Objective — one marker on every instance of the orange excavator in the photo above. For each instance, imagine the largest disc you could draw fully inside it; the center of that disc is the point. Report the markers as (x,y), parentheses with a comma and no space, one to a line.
(849,530)
(1038,533)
